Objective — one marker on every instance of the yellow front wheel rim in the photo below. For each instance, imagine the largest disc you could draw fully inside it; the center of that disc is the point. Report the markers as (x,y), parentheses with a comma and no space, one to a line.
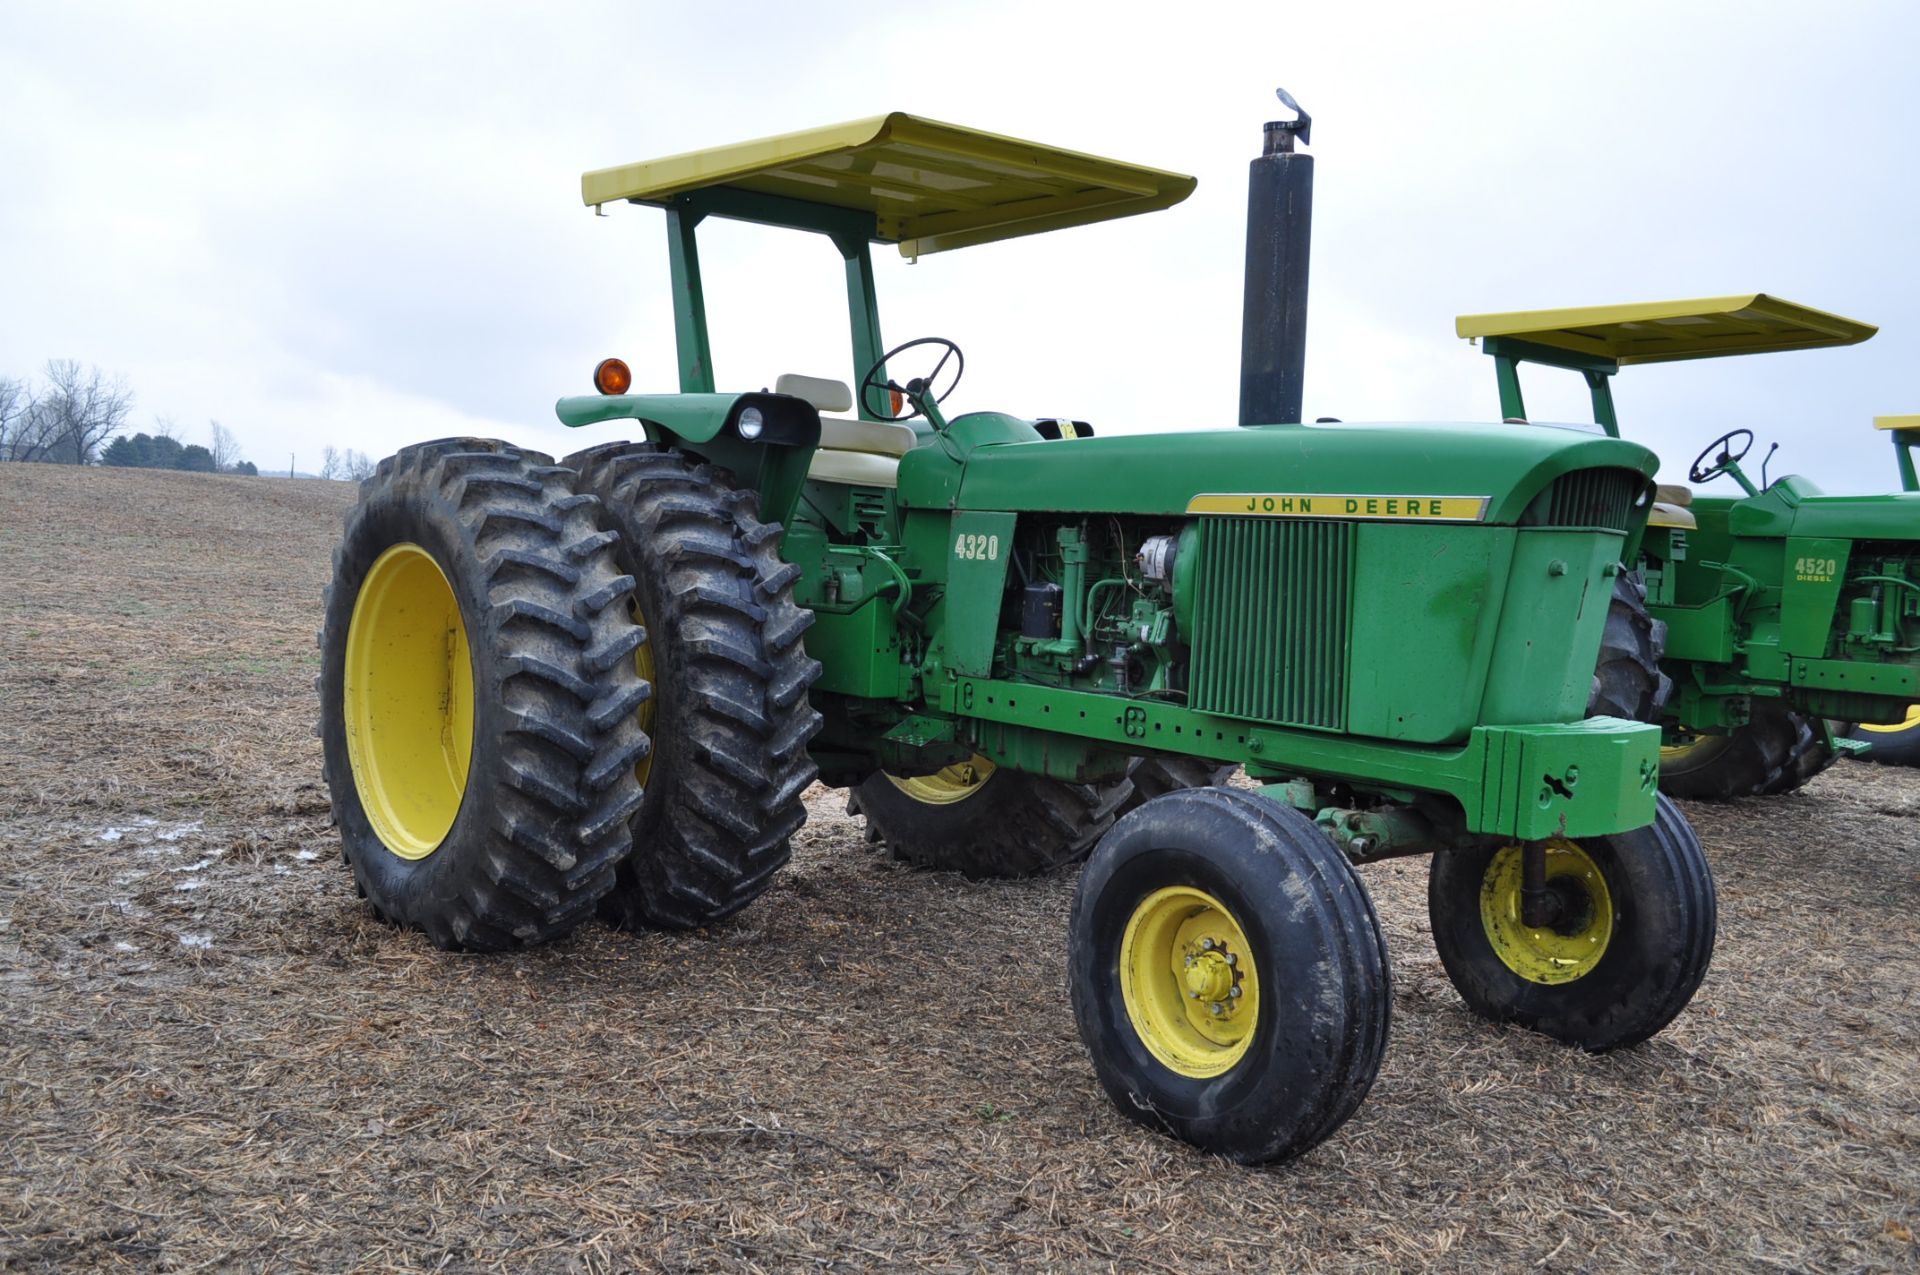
(1548,955)
(1189,981)
(953,783)
(408,701)
(1913,720)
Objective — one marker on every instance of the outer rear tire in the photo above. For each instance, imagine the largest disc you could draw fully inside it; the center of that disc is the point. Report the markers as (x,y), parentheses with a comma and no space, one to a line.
(1776,752)
(542,814)
(1663,918)
(731,720)
(1322,995)
(1014,825)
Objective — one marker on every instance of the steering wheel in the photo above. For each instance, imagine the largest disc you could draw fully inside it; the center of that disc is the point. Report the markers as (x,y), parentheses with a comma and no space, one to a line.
(1702,472)
(916,388)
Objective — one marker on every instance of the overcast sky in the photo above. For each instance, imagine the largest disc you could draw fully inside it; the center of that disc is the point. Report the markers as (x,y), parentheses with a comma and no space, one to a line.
(359,224)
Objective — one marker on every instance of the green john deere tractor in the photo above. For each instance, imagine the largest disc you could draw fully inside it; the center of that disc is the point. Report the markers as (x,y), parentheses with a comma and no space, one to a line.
(1775,614)
(605,685)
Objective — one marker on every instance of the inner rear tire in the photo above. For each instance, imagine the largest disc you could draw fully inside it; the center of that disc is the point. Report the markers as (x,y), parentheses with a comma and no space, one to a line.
(1156,776)
(1245,877)
(731,719)
(1652,920)
(1010,824)
(524,834)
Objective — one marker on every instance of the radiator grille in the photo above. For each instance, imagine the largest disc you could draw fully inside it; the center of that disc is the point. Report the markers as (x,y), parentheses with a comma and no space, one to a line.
(1271,620)
(1589,498)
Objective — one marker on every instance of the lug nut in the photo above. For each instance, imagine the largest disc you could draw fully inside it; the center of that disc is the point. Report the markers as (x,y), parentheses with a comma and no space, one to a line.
(1206,945)
(1232,959)
(1193,996)
(1235,993)
(1217,1008)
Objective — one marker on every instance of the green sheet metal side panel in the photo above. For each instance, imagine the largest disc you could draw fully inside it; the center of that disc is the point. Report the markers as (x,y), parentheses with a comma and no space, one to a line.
(1556,607)
(1423,629)
(978,550)
(1810,593)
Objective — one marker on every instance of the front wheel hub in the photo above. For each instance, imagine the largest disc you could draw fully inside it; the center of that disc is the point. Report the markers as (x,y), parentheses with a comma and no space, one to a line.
(1189,981)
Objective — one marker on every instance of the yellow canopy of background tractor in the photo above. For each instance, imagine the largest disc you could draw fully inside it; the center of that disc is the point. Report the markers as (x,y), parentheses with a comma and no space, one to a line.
(930,186)
(1663,331)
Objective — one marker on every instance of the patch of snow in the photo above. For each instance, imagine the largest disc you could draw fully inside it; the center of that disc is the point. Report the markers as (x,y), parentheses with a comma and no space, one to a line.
(124,946)
(191,883)
(192,867)
(199,942)
(308,855)
(148,826)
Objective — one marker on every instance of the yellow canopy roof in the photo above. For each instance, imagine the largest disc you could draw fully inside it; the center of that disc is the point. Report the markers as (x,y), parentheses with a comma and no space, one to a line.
(930,186)
(1660,331)
(1897,422)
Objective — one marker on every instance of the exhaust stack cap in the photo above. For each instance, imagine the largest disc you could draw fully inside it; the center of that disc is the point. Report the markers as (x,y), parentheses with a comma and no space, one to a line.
(1280,133)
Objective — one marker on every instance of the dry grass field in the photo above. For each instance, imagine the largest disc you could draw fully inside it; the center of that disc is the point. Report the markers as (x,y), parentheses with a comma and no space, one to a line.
(211,1057)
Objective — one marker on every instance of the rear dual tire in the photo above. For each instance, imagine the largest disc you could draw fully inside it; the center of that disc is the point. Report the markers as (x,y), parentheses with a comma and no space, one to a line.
(477,696)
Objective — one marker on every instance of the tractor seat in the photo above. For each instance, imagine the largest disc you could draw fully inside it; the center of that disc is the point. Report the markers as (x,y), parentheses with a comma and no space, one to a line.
(1670,508)
(861,453)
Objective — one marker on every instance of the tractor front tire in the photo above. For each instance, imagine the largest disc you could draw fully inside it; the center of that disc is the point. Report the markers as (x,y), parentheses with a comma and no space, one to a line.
(1776,752)
(1228,974)
(477,691)
(984,821)
(1628,682)
(1641,919)
(729,719)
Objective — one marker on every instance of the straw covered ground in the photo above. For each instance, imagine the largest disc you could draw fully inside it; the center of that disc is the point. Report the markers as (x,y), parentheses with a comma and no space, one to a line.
(211,1057)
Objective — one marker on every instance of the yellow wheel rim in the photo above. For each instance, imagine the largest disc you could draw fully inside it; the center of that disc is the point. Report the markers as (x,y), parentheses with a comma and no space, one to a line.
(954,783)
(1913,720)
(409,701)
(1189,982)
(1692,745)
(643,665)
(1547,955)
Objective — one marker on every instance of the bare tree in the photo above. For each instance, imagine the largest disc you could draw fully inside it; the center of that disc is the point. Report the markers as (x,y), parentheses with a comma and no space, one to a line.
(358,467)
(16,405)
(226,452)
(330,463)
(81,409)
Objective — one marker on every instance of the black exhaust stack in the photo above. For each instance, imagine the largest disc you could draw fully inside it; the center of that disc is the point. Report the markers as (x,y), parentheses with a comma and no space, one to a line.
(1273,324)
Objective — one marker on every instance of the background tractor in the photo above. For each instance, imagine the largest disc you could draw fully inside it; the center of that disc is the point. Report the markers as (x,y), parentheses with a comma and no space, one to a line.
(1776,613)
(605,684)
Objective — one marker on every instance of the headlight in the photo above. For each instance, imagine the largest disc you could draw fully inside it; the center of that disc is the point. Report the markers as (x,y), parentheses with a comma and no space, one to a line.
(751,422)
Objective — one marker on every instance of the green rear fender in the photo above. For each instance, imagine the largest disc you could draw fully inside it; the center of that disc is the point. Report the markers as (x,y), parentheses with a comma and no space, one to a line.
(773,462)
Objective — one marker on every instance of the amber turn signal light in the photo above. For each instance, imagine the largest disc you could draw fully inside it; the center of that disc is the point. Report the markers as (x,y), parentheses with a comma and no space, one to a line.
(612,377)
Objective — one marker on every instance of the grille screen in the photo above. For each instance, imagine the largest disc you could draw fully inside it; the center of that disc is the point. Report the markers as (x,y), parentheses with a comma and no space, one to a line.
(1271,620)
(1588,498)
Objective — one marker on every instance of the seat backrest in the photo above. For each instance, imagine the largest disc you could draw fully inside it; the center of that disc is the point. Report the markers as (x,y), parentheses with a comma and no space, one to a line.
(823,392)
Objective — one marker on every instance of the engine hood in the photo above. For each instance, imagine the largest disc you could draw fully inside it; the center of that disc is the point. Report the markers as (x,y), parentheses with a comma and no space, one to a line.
(1425,472)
